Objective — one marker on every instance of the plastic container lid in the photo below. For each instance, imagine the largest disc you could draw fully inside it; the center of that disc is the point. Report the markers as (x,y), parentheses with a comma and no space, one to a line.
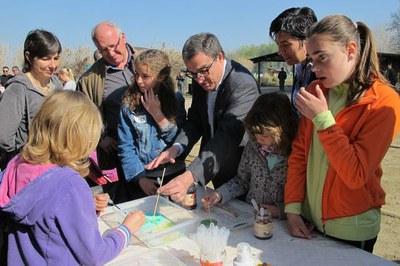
(184,221)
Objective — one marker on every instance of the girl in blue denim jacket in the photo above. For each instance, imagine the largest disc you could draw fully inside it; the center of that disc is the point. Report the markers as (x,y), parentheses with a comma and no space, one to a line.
(150,117)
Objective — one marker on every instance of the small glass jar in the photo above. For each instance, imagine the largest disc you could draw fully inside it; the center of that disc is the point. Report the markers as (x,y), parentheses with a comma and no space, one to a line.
(263,225)
(190,200)
(214,259)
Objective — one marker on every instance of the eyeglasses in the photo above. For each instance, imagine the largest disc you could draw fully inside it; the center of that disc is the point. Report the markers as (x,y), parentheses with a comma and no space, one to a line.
(111,47)
(201,73)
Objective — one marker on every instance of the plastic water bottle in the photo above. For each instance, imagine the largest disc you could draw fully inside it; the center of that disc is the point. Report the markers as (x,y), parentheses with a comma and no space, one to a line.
(243,257)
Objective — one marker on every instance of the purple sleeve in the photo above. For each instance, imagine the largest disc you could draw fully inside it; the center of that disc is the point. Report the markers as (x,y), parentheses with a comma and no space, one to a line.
(78,225)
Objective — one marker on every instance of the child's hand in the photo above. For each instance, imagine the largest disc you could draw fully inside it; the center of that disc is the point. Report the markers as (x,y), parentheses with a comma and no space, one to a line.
(152,104)
(134,220)
(297,227)
(148,185)
(101,201)
(272,208)
(310,105)
(211,199)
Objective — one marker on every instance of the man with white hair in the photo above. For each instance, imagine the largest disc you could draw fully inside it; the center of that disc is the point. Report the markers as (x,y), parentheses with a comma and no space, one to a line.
(105,82)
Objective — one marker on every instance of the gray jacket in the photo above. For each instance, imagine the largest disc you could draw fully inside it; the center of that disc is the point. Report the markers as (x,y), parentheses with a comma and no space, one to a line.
(19,104)
(256,180)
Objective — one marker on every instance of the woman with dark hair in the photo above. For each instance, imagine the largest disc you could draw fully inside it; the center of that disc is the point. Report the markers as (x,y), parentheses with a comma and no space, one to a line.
(25,92)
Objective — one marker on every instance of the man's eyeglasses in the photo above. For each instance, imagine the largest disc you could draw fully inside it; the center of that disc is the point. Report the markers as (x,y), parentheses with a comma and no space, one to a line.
(111,47)
(201,73)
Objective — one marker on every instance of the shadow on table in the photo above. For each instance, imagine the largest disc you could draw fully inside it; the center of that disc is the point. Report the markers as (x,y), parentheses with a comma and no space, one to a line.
(184,256)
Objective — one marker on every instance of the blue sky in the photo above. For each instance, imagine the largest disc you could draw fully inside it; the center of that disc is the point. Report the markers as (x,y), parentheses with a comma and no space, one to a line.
(150,23)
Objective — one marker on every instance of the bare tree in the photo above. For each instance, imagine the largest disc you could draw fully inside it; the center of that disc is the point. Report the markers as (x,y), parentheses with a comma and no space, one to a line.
(18,58)
(3,55)
(394,27)
(242,59)
(175,59)
(76,59)
(384,39)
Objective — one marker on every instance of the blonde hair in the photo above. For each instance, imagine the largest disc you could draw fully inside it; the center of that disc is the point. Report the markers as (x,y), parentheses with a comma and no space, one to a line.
(68,72)
(65,131)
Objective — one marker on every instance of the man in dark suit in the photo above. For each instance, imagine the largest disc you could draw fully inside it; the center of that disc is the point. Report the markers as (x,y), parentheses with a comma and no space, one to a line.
(223,93)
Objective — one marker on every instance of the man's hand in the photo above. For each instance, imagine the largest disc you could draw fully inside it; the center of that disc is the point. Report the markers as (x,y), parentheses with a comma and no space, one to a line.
(309,105)
(177,187)
(148,185)
(167,156)
(211,198)
(108,144)
(297,227)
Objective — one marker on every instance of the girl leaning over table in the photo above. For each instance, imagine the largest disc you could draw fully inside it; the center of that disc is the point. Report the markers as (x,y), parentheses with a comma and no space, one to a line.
(349,117)
(47,205)
(271,124)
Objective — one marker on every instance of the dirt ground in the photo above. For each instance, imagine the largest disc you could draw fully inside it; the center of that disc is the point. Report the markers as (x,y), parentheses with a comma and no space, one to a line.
(388,244)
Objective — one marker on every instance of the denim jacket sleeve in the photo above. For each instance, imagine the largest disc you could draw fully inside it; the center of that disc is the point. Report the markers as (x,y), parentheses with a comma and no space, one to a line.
(127,151)
(169,132)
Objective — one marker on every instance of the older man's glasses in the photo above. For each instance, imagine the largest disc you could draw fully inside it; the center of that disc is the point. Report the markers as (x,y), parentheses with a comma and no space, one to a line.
(202,73)
(110,47)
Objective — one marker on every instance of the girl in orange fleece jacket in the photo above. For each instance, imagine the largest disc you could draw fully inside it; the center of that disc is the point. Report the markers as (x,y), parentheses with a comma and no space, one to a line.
(350,116)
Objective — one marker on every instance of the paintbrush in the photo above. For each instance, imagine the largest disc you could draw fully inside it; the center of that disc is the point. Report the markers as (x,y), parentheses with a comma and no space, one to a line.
(141,241)
(158,194)
(110,202)
(106,178)
(209,208)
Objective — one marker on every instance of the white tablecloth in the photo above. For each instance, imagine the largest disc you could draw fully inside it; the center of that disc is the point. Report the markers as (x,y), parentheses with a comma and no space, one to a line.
(281,249)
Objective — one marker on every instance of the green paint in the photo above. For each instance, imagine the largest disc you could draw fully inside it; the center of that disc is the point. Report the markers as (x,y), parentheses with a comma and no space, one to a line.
(156,223)
(207,222)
